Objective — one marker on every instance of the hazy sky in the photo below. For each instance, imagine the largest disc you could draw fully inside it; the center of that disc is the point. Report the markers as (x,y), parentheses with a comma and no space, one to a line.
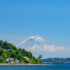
(49,19)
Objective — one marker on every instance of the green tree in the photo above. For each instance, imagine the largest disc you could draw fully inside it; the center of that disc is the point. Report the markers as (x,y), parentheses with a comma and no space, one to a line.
(1,51)
(11,46)
(5,45)
(1,43)
(40,56)
(29,55)
(2,60)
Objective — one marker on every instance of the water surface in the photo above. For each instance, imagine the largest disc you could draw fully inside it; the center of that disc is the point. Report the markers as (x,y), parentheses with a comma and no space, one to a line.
(36,67)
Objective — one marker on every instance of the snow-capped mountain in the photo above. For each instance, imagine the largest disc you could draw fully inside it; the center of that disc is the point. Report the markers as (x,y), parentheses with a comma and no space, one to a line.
(31,41)
(37,45)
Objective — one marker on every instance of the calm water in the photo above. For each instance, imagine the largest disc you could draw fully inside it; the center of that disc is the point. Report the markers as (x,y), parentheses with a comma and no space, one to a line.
(36,67)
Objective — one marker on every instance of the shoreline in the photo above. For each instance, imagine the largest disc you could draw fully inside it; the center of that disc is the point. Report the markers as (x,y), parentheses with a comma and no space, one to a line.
(23,64)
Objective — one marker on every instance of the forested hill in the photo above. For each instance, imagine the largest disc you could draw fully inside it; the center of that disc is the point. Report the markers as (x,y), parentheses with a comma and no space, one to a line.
(10,54)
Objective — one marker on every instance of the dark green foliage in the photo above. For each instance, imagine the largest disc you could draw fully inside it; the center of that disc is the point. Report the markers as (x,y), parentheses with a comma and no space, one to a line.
(1,51)
(5,45)
(11,46)
(2,59)
(1,43)
(8,50)
(40,56)
(27,53)
(30,55)
(35,61)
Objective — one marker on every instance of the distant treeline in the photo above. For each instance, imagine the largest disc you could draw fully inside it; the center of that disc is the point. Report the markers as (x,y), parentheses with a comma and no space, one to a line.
(56,60)
(10,54)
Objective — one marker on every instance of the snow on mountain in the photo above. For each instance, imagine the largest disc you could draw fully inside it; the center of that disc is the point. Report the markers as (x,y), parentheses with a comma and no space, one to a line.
(38,45)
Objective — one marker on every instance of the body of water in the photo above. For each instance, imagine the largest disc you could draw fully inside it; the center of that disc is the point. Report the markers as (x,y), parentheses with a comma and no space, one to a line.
(36,67)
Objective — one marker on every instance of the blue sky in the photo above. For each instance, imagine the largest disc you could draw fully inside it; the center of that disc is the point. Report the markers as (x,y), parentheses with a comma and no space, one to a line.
(49,19)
